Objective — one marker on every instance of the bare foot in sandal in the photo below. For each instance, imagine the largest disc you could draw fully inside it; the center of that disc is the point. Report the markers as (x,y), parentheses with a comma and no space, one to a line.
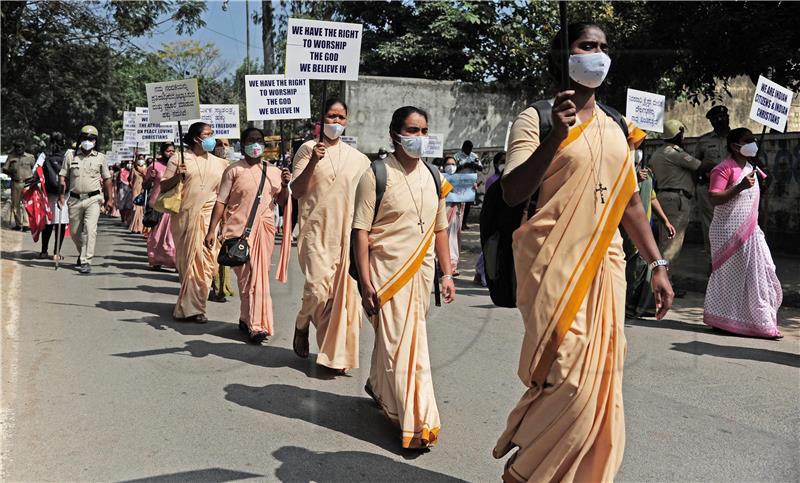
(300,343)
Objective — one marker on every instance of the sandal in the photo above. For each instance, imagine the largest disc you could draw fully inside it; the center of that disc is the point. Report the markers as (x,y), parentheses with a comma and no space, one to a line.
(300,343)
(58,257)
(43,255)
(258,338)
(243,326)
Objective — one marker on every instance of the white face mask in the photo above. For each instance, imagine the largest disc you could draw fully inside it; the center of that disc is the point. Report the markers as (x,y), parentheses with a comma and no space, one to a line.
(413,145)
(450,169)
(589,70)
(639,156)
(749,150)
(87,145)
(500,168)
(333,131)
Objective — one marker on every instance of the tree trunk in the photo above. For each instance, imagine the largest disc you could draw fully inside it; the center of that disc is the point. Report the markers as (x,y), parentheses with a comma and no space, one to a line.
(269,50)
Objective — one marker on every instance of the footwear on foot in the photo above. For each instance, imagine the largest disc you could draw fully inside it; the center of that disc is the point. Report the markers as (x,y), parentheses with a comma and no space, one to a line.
(300,343)
(85,268)
(243,326)
(43,255)
(258,338)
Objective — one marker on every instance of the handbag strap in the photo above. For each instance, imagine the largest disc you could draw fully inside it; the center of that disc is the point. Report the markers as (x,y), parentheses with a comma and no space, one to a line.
(253,210)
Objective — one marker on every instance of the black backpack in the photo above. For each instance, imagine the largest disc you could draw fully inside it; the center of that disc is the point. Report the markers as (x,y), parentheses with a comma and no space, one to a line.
(379,170)
(498,221)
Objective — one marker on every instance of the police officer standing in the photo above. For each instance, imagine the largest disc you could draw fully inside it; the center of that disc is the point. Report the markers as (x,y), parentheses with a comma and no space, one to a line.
(19,167)
(675,171)
(711,149)
(84,171)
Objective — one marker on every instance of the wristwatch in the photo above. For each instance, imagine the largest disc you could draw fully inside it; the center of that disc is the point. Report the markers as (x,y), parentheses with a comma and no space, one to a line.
(659,263)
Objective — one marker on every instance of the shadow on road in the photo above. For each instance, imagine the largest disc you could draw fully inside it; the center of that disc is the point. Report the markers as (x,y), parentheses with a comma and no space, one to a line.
(669,324)
(733,352)
(354,416)
(302,465)
(211,475)
(173,291)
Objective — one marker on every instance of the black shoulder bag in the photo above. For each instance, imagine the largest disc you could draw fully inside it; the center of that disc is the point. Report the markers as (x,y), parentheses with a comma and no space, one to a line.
(236,251)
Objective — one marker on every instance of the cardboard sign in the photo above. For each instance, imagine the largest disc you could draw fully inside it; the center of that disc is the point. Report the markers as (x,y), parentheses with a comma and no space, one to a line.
(322,50)
(173,100)
(223,118)
(645,110)
(276,97)
(463,187)
(147,131)
(121,152)
(771,104)
(350,140)
(434,146)
(129,120)
(129,137)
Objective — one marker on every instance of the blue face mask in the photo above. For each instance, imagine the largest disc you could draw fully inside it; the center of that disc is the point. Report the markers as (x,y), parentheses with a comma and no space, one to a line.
(209,144)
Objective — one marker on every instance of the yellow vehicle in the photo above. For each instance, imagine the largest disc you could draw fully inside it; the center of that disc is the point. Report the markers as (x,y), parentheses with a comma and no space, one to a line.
(272,150)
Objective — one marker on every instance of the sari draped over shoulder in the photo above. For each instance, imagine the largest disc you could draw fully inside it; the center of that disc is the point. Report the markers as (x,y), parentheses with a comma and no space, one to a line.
(570,268)
(196,264)
(330,296)
(401,258)
(743,293)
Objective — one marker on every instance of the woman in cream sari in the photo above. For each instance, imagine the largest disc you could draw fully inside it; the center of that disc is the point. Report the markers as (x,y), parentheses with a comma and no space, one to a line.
(201,173)
(570,268)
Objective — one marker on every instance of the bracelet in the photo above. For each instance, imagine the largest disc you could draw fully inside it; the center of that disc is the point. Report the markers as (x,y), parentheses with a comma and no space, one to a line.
(447,276)
(659,263)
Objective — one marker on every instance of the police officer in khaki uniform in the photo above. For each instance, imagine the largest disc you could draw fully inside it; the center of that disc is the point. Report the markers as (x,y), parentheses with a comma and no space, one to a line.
(83,173)
(711,149)
(675,172)
(19,167)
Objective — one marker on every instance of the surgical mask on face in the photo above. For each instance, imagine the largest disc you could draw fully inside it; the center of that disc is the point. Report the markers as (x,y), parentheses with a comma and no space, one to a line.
(209,144)
(450,169)
(589,70)
(500,168)
(87,145)
(413,145)
(254,150)
(638,157)
(333,131)
(749,150)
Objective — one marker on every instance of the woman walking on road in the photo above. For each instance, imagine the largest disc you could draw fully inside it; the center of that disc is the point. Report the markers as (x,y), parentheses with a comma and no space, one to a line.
(237,194)
(570,269)
(201,173)
(743,294)
(137,187)
(160,246)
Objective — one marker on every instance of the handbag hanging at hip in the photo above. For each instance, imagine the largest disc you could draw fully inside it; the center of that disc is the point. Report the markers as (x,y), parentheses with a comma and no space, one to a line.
(236,251)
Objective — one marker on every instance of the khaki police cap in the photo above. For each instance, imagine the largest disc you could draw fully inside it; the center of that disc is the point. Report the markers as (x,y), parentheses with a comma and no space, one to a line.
(672,128)
(88,129)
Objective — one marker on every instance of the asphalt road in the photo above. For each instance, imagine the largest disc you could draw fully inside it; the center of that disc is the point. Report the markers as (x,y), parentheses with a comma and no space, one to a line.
(100,384)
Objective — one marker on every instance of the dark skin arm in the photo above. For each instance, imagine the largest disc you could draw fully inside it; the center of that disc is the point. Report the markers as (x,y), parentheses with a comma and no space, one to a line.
(722,197)
(216,216)
(369,296)
(637,227)
(522,182)
(301,183)
(109,193)
(168,184)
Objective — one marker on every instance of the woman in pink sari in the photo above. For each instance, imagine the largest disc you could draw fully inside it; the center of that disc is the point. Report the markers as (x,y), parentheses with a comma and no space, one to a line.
(743,294)
(160,247)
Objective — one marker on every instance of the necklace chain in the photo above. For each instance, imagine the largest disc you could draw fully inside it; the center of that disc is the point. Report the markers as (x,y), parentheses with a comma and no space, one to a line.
(421,197)
(596,172)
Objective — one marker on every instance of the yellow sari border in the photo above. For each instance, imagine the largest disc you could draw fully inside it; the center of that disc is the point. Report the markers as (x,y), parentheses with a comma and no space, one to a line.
(407,271)
(607,229)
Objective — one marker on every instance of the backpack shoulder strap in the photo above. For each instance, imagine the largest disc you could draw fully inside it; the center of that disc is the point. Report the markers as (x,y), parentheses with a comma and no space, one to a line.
(436,179)
(379,170)
(616,116)
(544,109)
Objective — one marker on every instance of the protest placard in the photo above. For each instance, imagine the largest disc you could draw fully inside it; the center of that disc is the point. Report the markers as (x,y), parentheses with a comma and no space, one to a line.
(223,118)
(129,120)
(147,131)
(771,104)
(350,140)
(463,187)
(645,110)
(433,147)
(322,50)
(129,137)
(271,97)
(176,100)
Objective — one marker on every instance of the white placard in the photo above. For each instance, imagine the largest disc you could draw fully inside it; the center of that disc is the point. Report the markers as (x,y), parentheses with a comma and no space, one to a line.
(3,158)
(322,50)
(771,104)
(645,110)
(128,120)
(350,140)
(434,147)
(147,131)
(129,137)
(176,100)
(276,97)
(223,118)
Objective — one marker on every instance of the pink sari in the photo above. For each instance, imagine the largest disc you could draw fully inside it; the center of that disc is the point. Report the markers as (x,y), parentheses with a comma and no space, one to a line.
(743,294)
(160,247)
